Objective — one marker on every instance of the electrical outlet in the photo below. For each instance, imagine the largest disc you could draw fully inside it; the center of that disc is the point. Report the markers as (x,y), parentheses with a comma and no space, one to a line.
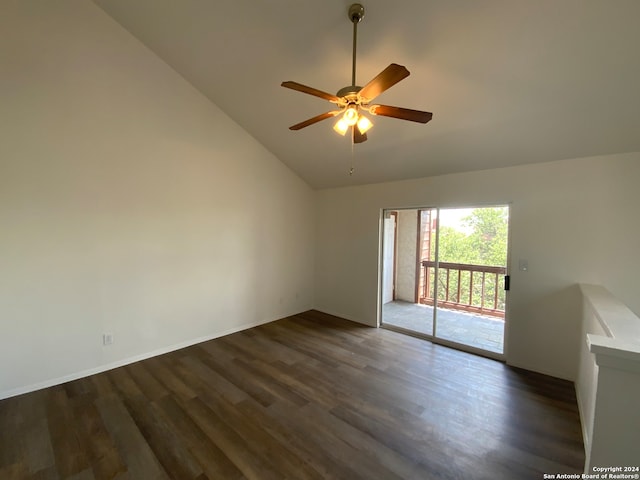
(107,338)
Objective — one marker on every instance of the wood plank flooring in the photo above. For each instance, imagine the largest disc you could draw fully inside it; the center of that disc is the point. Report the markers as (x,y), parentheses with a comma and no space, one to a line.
(307,397)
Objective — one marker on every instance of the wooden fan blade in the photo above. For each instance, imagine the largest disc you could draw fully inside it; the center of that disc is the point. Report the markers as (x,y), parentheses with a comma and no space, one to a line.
(316,119)
(357,136)
(385,80)
(401,113)
(311,91)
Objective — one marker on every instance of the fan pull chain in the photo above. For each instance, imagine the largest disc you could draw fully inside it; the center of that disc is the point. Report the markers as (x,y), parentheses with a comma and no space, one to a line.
(353,144)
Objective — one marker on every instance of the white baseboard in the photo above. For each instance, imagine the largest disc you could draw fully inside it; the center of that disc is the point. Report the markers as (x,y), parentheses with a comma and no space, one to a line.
(543,371)
(342,315)
(120,363)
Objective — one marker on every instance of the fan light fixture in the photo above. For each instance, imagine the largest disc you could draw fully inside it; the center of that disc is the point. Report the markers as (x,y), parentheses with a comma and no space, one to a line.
(341,126)
(364,124)
(351,117)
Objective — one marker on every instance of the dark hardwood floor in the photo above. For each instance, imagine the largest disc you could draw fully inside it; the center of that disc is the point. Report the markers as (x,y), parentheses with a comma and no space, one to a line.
(306,397)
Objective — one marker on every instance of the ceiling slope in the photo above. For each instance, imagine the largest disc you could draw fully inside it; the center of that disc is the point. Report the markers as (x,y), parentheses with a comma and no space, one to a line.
(509,81)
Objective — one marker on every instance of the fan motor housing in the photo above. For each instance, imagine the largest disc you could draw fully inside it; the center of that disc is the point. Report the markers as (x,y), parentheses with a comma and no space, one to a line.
(350,92)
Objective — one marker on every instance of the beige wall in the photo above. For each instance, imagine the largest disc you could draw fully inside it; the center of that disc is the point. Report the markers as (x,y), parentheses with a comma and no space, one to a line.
(129,204)
(574,221)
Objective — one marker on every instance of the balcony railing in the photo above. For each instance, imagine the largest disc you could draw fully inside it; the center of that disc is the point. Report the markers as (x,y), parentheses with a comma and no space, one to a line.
(473,288)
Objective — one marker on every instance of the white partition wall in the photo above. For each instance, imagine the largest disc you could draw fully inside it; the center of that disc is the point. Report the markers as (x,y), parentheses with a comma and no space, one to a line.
(608,384)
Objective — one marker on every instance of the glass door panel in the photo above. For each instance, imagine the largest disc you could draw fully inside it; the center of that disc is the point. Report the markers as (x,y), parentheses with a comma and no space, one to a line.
(469,277)
(413,238)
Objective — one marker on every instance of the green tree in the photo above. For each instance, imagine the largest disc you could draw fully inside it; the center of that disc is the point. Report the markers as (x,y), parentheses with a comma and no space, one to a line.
(482,240)
(487,243)
(453,246)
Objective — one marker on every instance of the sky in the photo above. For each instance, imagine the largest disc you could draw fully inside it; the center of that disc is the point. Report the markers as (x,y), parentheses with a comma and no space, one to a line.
(452,217)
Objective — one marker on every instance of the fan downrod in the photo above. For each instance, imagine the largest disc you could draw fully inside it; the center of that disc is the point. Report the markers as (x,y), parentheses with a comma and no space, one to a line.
(355,14)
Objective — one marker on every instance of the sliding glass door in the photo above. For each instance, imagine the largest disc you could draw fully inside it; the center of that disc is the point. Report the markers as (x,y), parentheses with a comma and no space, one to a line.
(448,268)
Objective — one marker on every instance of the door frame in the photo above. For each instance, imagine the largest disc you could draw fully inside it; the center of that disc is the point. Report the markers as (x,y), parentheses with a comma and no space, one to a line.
(394,253)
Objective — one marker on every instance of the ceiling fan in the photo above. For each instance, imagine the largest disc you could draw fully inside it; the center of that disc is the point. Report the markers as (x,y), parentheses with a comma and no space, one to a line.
(353,100)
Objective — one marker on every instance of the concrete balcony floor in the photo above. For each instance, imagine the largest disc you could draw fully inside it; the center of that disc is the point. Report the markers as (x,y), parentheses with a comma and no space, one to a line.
(479,331)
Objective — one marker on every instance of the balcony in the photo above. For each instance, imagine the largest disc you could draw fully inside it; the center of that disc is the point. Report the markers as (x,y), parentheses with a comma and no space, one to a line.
(470,305)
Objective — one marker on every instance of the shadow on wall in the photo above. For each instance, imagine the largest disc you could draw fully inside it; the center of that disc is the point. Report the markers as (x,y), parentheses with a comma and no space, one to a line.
(554,316)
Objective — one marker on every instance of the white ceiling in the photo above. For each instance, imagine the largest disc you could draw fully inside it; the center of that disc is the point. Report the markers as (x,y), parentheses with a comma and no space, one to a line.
(509,81)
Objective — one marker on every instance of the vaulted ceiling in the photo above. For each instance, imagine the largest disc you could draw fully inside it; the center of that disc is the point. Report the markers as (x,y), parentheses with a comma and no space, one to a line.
(509,81)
